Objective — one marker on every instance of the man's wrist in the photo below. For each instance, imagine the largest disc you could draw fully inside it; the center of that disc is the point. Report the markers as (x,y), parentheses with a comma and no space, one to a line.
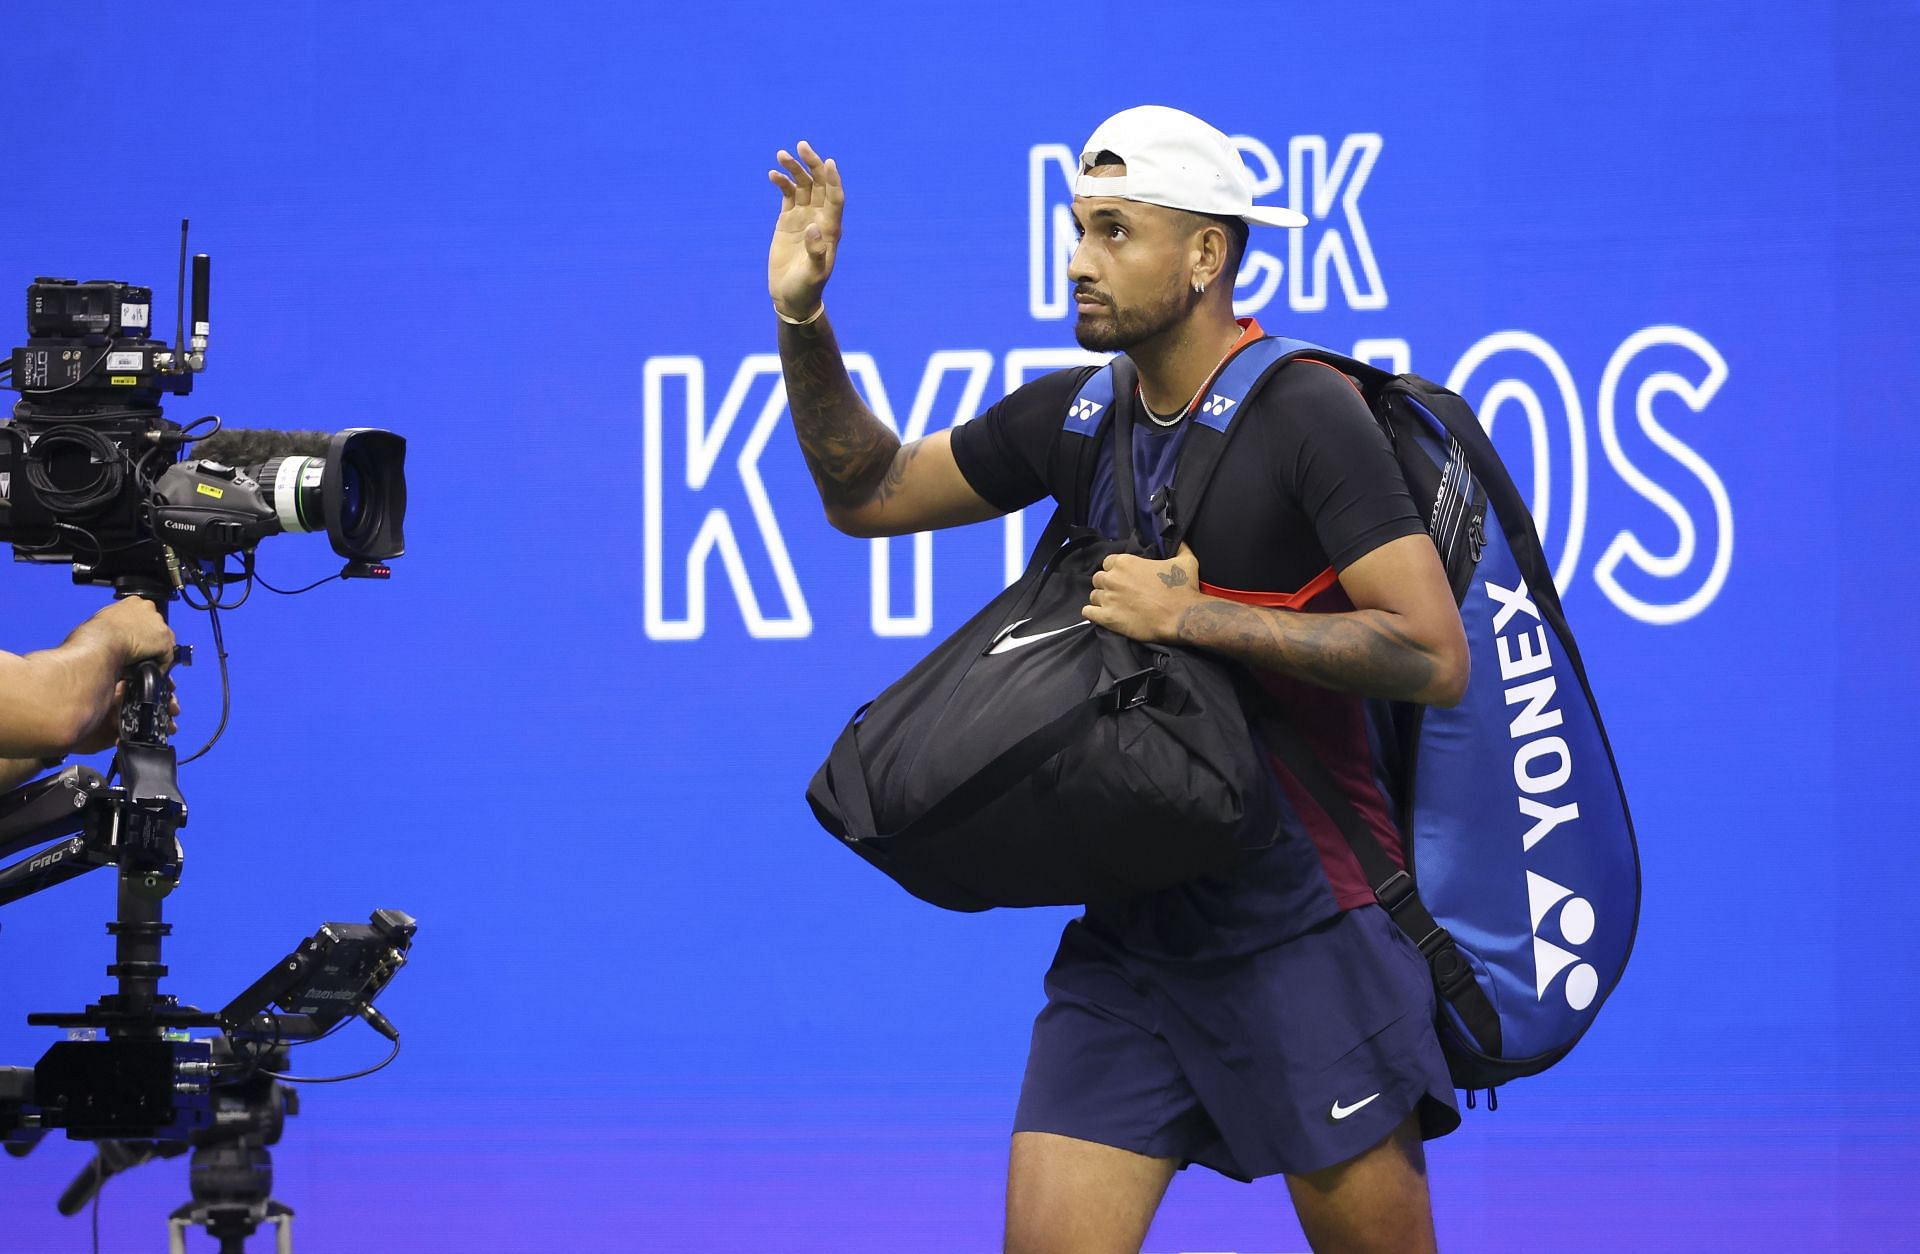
(1197,626)
(100,639)
(819,308)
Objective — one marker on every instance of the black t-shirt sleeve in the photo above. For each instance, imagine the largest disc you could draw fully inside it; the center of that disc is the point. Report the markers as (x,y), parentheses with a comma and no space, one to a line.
(1004,453)
(1338,464)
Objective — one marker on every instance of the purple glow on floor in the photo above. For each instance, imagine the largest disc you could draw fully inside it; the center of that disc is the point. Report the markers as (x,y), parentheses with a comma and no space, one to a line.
(922,1173)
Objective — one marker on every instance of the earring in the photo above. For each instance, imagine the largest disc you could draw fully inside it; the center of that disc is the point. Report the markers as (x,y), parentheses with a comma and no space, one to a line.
(1199,289)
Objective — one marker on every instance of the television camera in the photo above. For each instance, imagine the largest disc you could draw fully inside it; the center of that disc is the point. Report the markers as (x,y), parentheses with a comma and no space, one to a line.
(90,469)
(93,475)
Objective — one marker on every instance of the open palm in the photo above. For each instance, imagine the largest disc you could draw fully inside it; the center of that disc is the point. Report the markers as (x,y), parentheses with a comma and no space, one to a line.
(807,233)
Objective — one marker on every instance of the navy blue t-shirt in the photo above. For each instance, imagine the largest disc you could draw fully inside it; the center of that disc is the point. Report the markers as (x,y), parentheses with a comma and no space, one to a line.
(1308,486)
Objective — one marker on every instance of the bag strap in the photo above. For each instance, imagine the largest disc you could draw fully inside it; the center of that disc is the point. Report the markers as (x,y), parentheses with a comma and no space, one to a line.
(1392,886)
(1212,430)
(1087,418)
(1124,378)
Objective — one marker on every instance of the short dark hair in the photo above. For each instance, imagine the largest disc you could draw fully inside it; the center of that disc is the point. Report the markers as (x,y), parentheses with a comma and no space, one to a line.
(1236,236)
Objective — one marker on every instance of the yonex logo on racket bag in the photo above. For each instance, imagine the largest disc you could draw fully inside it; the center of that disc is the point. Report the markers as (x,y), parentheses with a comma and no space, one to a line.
(1084,410)
(1217,405)
(1576,928)
(1541,764)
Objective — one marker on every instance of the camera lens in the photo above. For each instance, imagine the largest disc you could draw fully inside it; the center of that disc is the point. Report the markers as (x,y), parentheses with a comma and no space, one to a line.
(351,496)
(365,493)
(291,485)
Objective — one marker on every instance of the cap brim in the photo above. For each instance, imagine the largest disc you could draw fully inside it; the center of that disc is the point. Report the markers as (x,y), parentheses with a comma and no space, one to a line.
(1273,215)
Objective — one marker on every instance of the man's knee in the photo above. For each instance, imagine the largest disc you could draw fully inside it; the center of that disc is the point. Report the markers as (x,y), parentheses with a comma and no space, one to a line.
(1376,1200)
(1067,1196)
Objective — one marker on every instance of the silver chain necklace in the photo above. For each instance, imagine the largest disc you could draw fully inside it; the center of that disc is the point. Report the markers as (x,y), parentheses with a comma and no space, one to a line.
(1158,421)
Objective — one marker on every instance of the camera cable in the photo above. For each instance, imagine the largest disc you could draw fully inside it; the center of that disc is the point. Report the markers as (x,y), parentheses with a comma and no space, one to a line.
(291,592)
(226,687)
(336,1079)
(97,449)
(185,434)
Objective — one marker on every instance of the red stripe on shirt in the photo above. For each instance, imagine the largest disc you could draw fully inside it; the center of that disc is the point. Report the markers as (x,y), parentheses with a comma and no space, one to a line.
(1334,726)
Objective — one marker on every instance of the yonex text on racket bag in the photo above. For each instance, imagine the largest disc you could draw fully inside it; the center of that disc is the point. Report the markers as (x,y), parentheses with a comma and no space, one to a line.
(1523,884)
(1036,759)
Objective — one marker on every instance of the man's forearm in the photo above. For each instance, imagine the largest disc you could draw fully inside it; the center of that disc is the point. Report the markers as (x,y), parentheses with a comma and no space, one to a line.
(75,685)
(848,450)
(1361,651)
(55,695)
(17,771)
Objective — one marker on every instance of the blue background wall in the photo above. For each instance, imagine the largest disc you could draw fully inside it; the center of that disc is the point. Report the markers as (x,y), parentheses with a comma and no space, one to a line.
(652,1006)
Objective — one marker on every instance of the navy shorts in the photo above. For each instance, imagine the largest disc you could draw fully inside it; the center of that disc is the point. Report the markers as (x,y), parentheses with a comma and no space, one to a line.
(1291,1059)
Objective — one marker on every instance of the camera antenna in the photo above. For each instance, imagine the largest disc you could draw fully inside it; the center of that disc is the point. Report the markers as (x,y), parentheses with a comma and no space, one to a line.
(180,296)
(202,266)
(192,357)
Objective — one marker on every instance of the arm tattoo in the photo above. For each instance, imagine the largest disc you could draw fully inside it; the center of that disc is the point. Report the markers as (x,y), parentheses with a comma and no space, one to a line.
(1362,652)
(851,453)
(897,470)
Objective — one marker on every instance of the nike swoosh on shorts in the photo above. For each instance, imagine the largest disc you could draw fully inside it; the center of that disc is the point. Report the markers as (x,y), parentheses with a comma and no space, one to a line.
(1341,1112)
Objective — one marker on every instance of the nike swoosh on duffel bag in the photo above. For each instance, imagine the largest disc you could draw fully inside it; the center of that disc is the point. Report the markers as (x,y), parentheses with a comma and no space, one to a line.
(1008,642)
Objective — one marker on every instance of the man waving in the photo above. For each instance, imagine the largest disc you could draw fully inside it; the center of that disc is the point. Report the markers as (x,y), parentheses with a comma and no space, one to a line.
(1272,1019)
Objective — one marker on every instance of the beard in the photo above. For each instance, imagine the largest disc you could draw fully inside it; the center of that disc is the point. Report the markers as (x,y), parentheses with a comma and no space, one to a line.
(1112,329)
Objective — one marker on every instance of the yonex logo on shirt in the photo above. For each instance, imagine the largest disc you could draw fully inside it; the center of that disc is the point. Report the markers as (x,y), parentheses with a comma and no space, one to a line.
(1217,405)
(1084,410)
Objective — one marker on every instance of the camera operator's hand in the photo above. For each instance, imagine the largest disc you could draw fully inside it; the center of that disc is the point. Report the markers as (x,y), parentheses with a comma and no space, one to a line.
(807,233)
(67,700)
(106,733)
(133,626)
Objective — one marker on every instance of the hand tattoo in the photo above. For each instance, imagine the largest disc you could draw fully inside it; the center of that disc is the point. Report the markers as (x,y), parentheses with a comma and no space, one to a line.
(1174,578)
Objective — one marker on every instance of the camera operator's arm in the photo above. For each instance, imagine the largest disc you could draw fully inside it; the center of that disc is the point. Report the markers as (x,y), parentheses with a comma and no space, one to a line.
(16,771)
(67,699)
(869,482)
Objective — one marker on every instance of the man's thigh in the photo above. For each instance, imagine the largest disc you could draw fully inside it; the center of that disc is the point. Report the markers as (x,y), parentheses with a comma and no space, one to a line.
(1375,1201)
(1067,1196)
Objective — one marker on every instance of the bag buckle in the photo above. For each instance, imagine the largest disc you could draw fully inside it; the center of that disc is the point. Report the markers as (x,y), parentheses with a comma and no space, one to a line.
(1394,893)
(1140,688)
(1451,972)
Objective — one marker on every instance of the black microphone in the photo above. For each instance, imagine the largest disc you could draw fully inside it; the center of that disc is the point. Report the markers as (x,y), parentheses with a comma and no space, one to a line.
(240,446)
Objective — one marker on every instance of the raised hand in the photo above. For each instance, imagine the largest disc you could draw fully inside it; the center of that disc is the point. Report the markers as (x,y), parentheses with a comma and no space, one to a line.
(807,233)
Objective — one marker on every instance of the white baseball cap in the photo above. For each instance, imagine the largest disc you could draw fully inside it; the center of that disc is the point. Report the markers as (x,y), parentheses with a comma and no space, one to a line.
(1176,160)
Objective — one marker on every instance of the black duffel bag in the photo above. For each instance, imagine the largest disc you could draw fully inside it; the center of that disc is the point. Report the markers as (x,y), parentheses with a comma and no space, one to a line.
(1036,759)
